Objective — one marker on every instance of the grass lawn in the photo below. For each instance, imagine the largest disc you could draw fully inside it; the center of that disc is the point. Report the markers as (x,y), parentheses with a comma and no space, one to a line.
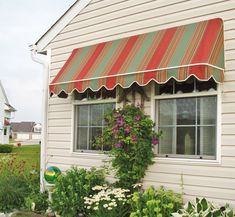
(30,154)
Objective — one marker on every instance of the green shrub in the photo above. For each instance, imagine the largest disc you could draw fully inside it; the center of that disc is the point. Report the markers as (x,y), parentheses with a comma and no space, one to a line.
(71,188)
(106,201)
(155,203)
(13,190)
(204,208)
(130,136)
(6,148)
(37,202)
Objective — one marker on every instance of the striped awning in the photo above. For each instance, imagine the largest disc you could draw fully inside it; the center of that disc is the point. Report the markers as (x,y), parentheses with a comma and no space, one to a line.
(191,50)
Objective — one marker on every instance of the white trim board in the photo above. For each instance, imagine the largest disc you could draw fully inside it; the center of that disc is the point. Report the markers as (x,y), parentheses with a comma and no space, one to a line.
(60,24)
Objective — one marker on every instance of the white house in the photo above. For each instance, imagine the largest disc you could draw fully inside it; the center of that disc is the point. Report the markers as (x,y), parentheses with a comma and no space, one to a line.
(26,130)
(178,55)
(6,111)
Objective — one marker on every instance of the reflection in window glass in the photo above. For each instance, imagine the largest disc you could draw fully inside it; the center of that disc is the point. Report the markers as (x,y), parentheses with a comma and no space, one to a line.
(186,111)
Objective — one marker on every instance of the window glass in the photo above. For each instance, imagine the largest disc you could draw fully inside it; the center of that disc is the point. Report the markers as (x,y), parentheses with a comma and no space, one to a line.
(165,89)
(206,85)
(90,124)
(206,140)
(166,140)
(185,87)
(94,132)
(167,108)
(96,115)
(185,140)
(188,126)
(82,115)
(91,95)
(186,111)
(206,109)
(191,85)
(82,137)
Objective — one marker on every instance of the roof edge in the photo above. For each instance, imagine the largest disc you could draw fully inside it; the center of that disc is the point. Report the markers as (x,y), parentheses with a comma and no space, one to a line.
(51,33)
(4,93)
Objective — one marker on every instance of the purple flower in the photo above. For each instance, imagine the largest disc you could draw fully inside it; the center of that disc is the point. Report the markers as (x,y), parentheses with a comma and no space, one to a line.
(127,130)
(115,129)
(118,145)
(155,141)
(134,138)
(117,115)
(137,118)
(120,122)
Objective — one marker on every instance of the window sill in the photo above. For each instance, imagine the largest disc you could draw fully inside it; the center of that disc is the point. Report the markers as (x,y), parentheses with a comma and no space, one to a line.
(182,161)
(163,160)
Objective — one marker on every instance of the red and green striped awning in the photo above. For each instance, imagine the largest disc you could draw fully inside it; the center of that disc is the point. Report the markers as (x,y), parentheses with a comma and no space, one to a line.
(180,52)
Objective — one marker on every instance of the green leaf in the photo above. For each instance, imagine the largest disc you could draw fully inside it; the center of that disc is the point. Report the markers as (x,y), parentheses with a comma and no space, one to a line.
(217,213)
(198,207)
(189,208)
(204,204)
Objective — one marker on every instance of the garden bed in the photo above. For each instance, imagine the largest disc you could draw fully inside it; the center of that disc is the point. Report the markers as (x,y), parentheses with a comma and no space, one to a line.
(26,214)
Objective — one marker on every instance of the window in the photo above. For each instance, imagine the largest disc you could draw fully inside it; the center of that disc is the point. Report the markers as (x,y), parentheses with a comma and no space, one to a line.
(187,116)
(89,123)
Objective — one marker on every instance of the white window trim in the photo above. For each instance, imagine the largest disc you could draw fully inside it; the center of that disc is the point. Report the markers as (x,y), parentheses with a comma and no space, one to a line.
(86,153)
(154,117)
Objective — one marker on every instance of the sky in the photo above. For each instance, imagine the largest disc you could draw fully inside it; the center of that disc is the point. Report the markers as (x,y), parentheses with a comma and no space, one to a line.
(22,23)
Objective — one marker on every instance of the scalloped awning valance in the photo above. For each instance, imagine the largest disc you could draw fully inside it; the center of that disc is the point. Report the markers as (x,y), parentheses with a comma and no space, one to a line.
(181,52)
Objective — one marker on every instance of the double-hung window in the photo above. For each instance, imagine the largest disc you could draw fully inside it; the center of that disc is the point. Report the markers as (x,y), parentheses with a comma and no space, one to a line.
(89,118)
(187,116)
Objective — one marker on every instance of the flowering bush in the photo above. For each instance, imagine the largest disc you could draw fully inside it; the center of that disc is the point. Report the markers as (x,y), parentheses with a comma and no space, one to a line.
(71,188)
(131,137)
(107,201)
(10,165)
(14,183)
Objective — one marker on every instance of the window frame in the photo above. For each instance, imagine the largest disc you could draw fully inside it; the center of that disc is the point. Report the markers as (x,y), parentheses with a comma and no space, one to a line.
(154,115)
(75,103)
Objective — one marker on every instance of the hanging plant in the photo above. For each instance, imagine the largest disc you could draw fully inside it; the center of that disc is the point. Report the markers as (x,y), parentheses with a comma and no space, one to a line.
(131,137)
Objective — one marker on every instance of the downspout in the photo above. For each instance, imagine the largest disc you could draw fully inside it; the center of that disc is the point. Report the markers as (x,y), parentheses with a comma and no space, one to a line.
(41,59)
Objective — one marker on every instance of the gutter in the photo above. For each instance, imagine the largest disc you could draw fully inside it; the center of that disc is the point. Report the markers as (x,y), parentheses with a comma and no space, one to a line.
(41,58)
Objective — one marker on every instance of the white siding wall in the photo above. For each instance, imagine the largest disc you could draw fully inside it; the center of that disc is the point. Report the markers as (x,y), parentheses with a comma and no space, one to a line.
(2,105)
(105,20)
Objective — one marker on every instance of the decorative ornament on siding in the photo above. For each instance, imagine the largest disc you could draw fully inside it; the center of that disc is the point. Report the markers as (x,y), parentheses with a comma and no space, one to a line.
(135,88)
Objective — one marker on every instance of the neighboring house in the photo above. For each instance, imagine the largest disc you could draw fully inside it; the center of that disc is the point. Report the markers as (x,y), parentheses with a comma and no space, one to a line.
(176,57)
(6,111)
(22,131)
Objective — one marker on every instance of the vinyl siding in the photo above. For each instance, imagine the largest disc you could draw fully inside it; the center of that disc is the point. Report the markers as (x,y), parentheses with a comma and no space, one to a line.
(105,20)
